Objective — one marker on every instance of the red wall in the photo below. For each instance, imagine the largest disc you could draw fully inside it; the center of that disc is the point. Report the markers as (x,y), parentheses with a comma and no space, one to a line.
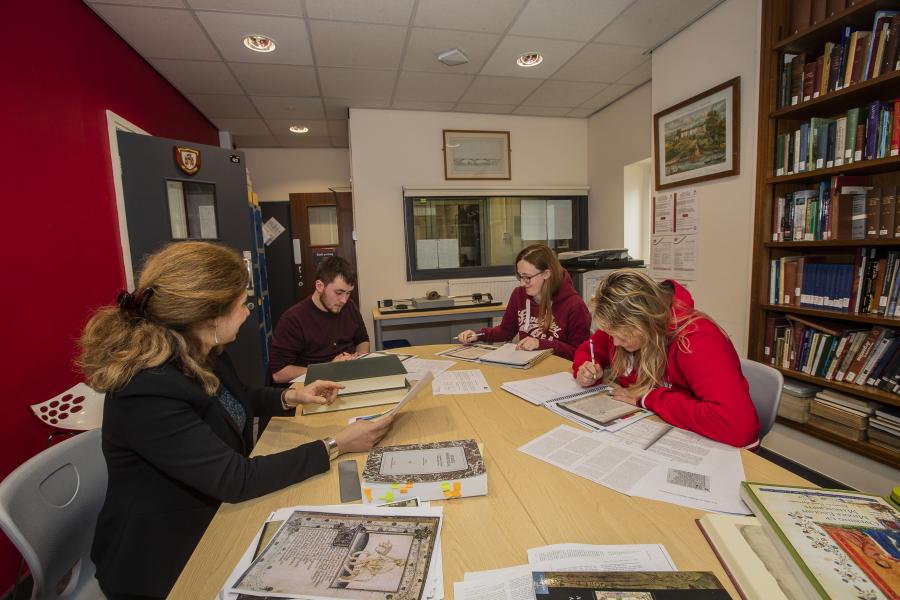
(63,68)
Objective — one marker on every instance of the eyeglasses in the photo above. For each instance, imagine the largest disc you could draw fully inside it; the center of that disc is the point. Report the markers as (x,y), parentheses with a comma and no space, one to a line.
(526,279)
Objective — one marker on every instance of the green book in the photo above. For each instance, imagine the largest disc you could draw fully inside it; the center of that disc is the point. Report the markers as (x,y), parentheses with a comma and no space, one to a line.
(850,146)
(779,155)
(839,544)
(361,375)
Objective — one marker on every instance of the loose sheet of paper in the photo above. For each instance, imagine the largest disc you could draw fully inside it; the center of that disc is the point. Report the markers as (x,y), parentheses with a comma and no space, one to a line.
(417,367)
(450,383)
(686,469)
(271,230)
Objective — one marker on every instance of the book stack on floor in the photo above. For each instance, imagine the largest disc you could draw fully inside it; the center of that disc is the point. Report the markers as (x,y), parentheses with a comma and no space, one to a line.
(884,427)
(841,414)
(795,400)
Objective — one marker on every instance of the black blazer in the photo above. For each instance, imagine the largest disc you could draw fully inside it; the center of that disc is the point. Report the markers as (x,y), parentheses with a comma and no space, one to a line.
(174,455)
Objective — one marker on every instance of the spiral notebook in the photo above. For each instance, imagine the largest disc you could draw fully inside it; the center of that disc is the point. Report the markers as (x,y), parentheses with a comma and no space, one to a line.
(551,388)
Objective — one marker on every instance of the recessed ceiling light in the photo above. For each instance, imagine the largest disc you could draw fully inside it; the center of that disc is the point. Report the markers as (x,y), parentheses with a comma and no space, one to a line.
(529,59)
(298,129)
(259,43)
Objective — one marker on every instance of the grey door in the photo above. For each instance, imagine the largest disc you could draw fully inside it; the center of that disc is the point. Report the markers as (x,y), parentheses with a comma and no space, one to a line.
(163,203)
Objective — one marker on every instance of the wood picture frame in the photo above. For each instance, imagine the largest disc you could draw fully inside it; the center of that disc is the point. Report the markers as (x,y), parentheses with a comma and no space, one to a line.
(473,154)
(698,139)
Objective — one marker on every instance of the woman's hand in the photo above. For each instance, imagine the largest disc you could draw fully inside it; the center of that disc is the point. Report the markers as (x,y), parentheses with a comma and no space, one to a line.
(626,395)
(588,374)
(361,436)
(318,392)
(528,343)
(467,337)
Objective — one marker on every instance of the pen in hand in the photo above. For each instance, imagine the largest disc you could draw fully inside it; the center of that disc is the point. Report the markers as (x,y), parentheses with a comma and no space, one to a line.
(469,337)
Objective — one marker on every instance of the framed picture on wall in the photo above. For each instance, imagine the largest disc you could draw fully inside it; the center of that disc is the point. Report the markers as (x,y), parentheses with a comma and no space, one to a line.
(476,154)
(698,139)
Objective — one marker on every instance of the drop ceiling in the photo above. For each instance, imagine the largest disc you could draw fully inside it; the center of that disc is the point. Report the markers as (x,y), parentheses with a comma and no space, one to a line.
(332,55)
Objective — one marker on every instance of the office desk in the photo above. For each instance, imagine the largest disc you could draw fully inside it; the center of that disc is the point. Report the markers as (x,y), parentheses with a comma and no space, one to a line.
(398,320)
(530,503)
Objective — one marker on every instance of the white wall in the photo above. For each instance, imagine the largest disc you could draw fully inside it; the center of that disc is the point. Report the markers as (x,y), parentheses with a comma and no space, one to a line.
(396,148)
(722,45)
(618,135)
(278,172)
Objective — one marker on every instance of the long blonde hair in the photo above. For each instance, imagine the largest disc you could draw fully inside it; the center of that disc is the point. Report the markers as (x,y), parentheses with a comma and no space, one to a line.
(544,259)
(180,287)
(629,299)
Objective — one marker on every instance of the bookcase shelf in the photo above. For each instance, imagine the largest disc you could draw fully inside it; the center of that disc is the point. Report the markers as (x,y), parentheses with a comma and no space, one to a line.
(776,17)
(867,449)
(867,319)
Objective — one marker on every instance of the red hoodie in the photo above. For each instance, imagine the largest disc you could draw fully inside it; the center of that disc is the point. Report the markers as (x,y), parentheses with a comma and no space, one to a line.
(703,389)
(571,321)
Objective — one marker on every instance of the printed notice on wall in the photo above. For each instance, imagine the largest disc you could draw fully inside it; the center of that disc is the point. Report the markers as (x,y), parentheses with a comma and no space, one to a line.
(271,229)
(673,244)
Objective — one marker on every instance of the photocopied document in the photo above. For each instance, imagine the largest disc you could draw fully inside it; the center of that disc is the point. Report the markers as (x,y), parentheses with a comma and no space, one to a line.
(418,367)
(707,477)
(469,381)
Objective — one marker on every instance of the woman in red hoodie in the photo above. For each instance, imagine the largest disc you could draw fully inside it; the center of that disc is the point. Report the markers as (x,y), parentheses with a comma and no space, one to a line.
(545,310)
(668,357)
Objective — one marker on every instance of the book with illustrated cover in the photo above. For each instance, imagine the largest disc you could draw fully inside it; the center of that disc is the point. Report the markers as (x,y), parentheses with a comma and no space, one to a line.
(510,356)
(627,585)
(432,471)
(600,409)
(840,544)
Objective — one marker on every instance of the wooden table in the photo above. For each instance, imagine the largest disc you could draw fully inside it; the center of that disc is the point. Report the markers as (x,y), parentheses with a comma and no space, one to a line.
(427,317)
(530,502)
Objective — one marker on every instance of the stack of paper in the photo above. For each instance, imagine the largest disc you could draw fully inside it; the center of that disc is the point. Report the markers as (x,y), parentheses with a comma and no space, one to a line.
(515,583)
(342,551)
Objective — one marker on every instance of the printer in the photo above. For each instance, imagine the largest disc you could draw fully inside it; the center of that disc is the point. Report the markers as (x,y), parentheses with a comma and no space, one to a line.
(588,267)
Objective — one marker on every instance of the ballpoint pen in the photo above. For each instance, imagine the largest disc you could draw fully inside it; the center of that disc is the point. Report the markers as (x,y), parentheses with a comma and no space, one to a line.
(591,342)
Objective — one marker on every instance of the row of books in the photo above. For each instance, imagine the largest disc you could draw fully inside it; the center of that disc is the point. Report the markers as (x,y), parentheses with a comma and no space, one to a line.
(865,283)
(866,133)
(867,357)
(859,55)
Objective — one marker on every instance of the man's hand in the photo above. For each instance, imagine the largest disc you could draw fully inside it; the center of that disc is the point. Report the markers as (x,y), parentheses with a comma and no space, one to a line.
(344,356)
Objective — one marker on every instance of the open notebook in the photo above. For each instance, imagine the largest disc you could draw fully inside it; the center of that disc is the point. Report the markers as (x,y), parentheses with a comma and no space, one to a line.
(508,355)
(551,388)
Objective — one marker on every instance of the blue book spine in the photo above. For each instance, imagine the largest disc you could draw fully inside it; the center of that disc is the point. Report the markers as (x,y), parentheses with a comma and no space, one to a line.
(872,122)
(892,300)
(842,64)
(804,148)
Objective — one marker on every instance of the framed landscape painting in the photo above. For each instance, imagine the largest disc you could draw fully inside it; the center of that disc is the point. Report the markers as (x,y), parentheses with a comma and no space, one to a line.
(698,139)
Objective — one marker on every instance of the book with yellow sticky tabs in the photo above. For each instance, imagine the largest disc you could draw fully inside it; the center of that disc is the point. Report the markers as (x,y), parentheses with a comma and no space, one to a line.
(433,471)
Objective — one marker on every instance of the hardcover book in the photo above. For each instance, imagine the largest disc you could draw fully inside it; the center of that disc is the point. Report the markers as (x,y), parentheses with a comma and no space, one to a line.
(359,376)
(627,585)
(839,544)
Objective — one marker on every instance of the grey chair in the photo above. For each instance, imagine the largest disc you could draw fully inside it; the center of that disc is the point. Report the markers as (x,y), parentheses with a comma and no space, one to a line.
(48,509)
(765,391)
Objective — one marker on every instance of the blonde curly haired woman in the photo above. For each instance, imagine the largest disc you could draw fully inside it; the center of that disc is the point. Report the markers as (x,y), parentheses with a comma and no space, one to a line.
(668,357)
(177,421)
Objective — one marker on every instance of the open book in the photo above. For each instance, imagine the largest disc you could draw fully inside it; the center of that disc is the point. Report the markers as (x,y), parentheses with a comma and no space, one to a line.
(510,356)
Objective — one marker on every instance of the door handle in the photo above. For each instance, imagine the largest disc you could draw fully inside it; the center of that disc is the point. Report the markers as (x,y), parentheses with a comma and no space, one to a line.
(248,264)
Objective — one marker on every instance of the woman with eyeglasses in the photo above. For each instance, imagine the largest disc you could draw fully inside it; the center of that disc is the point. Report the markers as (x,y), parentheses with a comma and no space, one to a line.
(667,357)
(545,311)
(177,420)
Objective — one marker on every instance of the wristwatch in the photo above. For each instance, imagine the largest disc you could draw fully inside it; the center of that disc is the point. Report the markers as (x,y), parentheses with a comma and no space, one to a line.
(332,447)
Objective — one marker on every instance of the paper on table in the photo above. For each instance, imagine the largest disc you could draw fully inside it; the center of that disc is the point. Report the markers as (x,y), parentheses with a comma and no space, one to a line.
(710,482)
(470,381)
(412,393)
(417,367)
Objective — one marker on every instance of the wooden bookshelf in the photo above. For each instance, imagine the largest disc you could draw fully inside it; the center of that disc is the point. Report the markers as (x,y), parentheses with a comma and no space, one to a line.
(774,120)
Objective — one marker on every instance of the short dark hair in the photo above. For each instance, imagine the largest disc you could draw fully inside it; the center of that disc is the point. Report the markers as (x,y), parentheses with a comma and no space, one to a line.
(333,266)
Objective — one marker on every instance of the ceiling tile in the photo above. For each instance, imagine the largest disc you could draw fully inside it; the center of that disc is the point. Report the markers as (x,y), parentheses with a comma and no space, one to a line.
(580,112)
(255,141)
(563,93)
(198,77)
(299,141)
(357,84)
(431,87)
(337,108)
(469,15)
(338,128)
(412,105)
(242,126)
(555,52)
(317,128)
(496,109)
(276,80)
(229,107)
(340,142)
(648,23)
(499,90)
(602,63)
(285,107)
(160,3)
(640,75)
(542,111)
(158,32)
(228,31)
(425,44)
(567,19)
(289,8)
(387,12)
(609,95)
(360,45)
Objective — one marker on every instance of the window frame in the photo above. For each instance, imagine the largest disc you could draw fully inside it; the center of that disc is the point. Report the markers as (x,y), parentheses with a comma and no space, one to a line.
(579,231)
